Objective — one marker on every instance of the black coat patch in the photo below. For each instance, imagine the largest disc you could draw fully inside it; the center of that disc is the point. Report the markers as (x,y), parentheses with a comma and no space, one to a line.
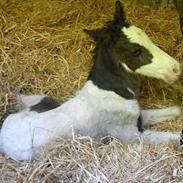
(120,84)
(46,104)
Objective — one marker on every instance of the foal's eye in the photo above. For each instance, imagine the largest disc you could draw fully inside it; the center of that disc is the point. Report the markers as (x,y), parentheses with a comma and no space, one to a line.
(137,52)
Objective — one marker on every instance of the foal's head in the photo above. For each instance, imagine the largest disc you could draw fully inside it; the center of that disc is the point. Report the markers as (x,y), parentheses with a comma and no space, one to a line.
(121,47)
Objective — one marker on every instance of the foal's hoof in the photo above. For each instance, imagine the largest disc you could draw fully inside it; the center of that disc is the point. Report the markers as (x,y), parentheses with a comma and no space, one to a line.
(106,140)
(181,139)
(180,146)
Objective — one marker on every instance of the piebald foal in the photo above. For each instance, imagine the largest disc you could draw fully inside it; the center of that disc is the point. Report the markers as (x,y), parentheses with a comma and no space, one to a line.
(107,105)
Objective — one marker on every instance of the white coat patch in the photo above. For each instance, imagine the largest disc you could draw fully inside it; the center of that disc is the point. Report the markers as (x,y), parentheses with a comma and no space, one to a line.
(93,111)
(163,66)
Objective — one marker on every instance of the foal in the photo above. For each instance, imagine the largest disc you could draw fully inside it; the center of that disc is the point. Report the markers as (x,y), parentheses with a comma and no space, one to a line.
(107,105)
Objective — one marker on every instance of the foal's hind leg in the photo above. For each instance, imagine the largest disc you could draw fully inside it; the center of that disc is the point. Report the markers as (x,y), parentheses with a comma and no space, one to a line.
(153,116)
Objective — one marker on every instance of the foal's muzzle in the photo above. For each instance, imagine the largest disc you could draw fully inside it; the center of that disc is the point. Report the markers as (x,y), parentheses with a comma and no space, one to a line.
(173,76)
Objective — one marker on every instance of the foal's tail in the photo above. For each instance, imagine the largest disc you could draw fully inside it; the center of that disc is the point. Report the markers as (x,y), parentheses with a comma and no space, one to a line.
(29,100)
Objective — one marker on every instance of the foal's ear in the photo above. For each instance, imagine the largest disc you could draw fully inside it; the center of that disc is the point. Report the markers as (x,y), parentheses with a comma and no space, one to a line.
(119,16)
(96,34)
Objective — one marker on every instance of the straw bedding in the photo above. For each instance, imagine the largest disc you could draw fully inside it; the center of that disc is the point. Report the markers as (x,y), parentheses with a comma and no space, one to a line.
(43,50)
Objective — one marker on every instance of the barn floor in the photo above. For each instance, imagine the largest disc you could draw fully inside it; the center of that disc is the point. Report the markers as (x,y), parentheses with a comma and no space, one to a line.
(44,50)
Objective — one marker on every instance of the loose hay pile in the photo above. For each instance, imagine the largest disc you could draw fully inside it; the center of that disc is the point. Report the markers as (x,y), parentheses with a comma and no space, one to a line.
(43,50)
(81,160)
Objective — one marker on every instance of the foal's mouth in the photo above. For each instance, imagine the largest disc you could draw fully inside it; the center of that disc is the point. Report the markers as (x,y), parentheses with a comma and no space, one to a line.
(173,81)
(174,78)
(178,83)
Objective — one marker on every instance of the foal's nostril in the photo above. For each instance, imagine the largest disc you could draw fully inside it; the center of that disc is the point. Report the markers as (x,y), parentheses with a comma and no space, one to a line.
(175,70)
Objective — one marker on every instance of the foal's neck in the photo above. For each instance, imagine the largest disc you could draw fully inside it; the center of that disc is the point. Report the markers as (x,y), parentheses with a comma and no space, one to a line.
(109,75)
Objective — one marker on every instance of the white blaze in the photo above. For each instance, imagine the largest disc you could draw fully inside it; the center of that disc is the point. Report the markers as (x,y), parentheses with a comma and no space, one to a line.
(163,66)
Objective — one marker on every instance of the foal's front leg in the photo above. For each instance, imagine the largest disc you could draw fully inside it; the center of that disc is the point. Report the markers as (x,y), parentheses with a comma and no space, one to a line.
(130,134)
(155,137)
(153,116)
